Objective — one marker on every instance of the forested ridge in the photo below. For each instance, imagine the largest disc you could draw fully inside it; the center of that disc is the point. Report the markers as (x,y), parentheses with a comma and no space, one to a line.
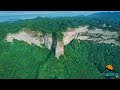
(84,59)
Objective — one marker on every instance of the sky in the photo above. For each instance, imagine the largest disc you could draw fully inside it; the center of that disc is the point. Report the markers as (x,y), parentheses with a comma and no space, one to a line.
(49,13)
(21,15)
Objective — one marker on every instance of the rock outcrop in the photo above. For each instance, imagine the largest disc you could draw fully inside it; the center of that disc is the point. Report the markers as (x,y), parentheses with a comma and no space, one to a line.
(81,33)
(48,40)
(59,49)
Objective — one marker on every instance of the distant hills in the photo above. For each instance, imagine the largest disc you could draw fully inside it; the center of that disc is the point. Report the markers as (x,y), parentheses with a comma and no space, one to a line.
(112,15)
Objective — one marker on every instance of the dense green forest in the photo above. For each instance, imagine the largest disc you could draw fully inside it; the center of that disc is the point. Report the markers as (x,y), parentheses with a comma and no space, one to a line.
(84,59)
(58,24)
(81,60)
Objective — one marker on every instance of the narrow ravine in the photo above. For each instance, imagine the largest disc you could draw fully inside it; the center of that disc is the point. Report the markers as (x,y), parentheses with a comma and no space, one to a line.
(44,39)
(52,51)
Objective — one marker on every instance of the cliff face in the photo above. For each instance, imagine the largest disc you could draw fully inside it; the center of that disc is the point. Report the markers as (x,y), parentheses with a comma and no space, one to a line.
(59,49)
(38,38)
(57,46)
(48,40)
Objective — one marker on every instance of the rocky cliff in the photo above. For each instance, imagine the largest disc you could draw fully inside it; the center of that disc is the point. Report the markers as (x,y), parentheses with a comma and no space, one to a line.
(50,41)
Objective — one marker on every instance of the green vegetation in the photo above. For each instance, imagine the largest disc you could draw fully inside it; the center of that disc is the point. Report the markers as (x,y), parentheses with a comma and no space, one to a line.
(19,59)
(59,36)
(80,60)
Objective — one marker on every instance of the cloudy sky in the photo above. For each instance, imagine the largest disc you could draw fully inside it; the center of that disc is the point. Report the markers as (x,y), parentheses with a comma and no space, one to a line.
(50,13)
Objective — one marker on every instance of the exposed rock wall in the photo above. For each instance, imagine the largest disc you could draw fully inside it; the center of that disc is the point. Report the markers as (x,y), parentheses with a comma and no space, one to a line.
(50,40)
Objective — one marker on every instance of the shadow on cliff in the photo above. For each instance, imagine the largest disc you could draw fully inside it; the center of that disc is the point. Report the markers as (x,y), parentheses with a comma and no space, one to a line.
(52,51)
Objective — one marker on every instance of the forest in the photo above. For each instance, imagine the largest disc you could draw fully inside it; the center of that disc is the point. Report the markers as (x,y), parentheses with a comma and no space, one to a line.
(81,60)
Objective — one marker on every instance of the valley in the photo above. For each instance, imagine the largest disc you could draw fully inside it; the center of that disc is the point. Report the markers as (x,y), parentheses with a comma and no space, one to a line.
(70,47)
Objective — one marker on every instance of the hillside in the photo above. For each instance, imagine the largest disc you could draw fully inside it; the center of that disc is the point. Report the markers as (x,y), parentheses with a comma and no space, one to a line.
(111,15)
(59,48)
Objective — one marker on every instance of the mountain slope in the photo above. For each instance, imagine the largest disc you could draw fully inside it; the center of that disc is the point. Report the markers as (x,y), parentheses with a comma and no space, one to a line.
(81,59)
(112,15)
